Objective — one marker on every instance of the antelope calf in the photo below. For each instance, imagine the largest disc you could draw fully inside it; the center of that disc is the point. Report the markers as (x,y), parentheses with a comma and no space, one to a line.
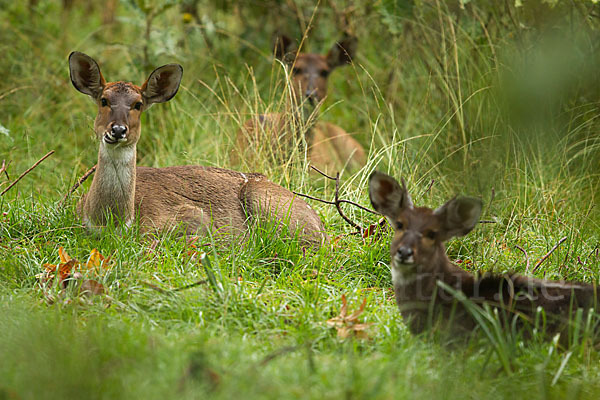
(193,197)
(422,272)
(329,146)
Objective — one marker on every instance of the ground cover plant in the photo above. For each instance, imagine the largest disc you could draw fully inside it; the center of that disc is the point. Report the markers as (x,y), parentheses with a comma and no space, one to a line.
(497,100)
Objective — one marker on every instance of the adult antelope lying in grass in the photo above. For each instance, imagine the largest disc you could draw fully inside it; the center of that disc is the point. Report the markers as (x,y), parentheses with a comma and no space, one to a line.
(329,146)
(193,197)
(430,289)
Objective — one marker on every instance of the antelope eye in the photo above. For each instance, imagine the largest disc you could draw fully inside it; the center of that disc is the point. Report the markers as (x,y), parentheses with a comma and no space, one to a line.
(324,73)
(138,105)
(399,225)
(104,102)
(430,235)
(296,71)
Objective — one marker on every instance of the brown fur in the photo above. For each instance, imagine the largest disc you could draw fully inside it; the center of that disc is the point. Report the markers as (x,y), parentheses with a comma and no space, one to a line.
(194,198)
(329,146)
(421,269)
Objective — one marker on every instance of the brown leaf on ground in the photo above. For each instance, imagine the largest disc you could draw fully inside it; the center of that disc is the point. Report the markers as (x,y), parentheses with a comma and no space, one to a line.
(90,287)
(63,269)
(69,269)
(194,246)
(349,325)
(375,229)
(97,261)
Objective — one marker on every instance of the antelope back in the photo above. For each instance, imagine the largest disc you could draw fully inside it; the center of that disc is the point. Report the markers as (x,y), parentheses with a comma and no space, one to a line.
(332,148)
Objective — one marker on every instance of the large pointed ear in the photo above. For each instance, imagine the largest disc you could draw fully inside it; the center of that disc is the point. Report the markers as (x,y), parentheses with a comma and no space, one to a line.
(162,84)
(387,196)
(85,74)
(342,52)
(285,49)
(458,216)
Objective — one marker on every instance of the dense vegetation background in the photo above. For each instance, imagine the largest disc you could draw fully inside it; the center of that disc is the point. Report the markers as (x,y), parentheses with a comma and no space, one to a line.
(497,99)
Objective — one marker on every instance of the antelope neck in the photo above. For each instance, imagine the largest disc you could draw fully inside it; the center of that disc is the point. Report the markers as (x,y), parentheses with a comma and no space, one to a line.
(301,117)
(117,167)
(114,180)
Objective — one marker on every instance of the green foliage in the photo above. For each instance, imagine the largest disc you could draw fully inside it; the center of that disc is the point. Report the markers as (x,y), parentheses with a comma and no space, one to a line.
(152,7)
(393,12)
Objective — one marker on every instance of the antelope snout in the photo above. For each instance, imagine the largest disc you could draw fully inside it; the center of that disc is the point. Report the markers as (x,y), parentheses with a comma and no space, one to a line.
(117,133)
(405,255)
(312,96)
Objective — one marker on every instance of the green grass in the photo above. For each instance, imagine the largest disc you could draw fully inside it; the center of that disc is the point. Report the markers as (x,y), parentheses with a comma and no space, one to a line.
(444,100)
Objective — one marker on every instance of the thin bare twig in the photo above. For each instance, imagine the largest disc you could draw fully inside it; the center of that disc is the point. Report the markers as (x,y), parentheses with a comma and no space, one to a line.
(339,207)
(322,173)
(491,199)
(359,206)
(548,254)
(4,169)
(337,201)
(526,257)
(191,285)
(279,352)
(428,188)
(26,172)
(171,291)
(79,182)
(13,90)
(314,198)
(155,287)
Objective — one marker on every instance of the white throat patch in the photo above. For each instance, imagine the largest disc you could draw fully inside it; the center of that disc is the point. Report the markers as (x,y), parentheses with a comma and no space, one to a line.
(117,167)
(403,274)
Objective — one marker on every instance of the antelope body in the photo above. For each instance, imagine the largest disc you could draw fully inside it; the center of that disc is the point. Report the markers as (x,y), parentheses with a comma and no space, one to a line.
(193,197)
(422,272)
(329,146)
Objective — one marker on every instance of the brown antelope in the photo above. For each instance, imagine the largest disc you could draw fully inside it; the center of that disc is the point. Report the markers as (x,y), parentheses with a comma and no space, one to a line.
(329,146)
(422,272)
(194,197)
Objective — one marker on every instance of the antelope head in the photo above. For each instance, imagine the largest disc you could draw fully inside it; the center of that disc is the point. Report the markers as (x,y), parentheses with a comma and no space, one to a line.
(310,71)
(420,232)
(120,104)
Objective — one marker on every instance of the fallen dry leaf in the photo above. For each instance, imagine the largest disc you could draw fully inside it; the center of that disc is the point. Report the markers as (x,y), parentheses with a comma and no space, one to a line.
(65,267)
(90,287)
(348,325)
(194,251)
(375,229)
(68,269)
(97,261)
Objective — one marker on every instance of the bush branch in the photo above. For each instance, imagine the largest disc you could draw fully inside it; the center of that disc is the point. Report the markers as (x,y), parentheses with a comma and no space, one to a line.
(78,183)
(337,202)
(26,172)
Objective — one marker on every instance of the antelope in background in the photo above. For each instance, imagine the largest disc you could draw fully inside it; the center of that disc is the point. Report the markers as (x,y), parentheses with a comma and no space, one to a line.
(419,264)
(194,197)
(329,146)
